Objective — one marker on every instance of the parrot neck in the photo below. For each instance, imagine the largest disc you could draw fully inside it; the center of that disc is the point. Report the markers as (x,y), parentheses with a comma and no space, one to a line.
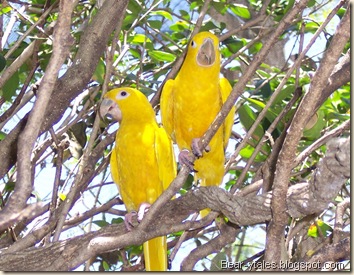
(141,116)
(189,71)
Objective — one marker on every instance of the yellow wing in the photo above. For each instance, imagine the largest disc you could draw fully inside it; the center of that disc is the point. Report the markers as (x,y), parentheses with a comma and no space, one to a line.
(167,106)
(114,166)
(226,89)
(165,157)
(155,250)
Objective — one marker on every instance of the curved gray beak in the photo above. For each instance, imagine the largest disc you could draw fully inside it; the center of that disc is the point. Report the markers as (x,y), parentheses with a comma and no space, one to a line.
(109,107)
(206,53)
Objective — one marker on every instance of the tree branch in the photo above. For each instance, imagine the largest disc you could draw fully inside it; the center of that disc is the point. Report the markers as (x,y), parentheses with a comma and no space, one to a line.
(332,172)
(288,151)
(239,209)
(23,188)
(92,45)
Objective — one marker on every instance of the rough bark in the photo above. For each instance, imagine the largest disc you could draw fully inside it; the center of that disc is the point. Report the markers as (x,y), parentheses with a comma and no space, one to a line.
(92,44)
(240,210)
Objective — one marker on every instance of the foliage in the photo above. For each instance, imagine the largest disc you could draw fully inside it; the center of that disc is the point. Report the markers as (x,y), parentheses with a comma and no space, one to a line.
(69,159)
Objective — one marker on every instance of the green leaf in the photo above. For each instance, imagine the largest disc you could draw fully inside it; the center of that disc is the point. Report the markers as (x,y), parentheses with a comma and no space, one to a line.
(247,152)
(162,56)
(311,27)
(101,223)
(179,26)
(135,53)
(311,3)
(289,6)
(189,182)
(219,6)
(185,15)
(287,92)
(140,39)
(259,106)
(247,118)
(10,186)
(256,47)
(2,62)
(341,12)
(241,10)
(117,220)
(134,8)
(105,265)
(77,139)
(128,21)
(315,125)
(265,90)
(2,135)
(10,87)
(99,72)
(5,10)
(234,45)
(156,24)
(163,13)
(208,26)
(215,264)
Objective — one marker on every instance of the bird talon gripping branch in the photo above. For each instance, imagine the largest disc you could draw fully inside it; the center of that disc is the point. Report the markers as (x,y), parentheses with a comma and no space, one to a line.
(128,220)
(143,208)
(184,158)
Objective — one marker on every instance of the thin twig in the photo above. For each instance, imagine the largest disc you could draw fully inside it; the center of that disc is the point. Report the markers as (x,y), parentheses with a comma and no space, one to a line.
(30,133)
(242,83)
(322,140)
(31,28)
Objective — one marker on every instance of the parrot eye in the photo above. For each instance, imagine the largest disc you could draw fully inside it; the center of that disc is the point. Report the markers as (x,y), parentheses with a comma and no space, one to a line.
(193,44)
(122,95)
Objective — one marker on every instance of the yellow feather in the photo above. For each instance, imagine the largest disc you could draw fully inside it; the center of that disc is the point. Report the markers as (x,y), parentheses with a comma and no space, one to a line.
(191,101)
(142,161)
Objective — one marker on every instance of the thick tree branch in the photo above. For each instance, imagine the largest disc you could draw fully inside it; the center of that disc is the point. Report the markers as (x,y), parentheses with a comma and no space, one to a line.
(288,151)
(239,209)
(36,235)
(339,77)
(332,172)
(330,253)
(227,235)
(92,45)
(23,188)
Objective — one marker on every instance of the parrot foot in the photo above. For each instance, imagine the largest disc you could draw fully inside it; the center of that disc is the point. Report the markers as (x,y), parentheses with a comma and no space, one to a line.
(185,158)
(196,149)
(128,221)
(143,208)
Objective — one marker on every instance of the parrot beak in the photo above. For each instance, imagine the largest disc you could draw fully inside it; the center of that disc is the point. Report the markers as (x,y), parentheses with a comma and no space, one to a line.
(206,53)
(109,107)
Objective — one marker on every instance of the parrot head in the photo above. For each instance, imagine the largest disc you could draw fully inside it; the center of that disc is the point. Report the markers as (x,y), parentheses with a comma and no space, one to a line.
(204,49)
(124,103)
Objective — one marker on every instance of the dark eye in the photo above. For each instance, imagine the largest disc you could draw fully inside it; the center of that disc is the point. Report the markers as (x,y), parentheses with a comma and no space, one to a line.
(193,44)
(123,94)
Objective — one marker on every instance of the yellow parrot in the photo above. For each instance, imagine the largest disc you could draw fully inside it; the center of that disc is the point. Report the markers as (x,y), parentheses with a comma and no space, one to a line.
(142,161)
(190,103)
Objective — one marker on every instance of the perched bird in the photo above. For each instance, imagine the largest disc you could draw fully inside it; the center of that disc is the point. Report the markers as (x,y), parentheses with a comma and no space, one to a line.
(142,161)
(190,103)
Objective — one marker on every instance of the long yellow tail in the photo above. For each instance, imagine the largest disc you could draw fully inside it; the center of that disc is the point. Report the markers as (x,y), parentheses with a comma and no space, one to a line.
(203,213)
(155,253)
